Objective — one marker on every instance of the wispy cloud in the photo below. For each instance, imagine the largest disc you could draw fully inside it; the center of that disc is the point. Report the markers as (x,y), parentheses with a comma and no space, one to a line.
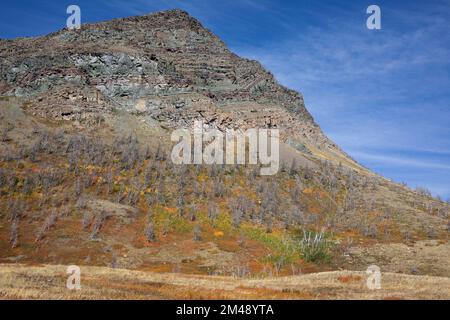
(375,92)
(399,161)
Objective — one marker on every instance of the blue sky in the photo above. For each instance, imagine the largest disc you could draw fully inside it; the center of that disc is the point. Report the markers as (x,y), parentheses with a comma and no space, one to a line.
(382,95)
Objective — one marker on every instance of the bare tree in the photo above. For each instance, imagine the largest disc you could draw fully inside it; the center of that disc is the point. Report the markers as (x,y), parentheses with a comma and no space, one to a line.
(197,232)
(77,188)
(109,179)
(81,202)
(293,170)
(423,191)
(150,232)
(162,191)
(213,212)
(236,212)
(133,197)
(4,134)
(181,205)
(151,200)
(160,154)
(86,220)
(14,233)
(98,223)
(218,189)
(192,212)
(297,191)
(48,223)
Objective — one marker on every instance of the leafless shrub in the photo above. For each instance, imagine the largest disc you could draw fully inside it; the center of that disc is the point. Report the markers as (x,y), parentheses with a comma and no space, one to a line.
(133,197)
(423,191)
(297,191)
(268,221)
(296,270)
(148,178)
(48,223)
(197,232)
(162,192)
(370,231)
(81,203)
(65,212)
(387,233)
(77,188)
(109,182)
(240,271)
(130,156)
(212,171)
(86,220)
(50,178)
(181,205)
(4,134)
(270,202)
(407,236)
(387,213)
(346,246)
(28,184)
(297,216)
(193,212)
(16,209)
(218,188)
(196,189)
(444,212)
(113,260)
(150,232)
(150,199)
(293,170)
(3,177)
(160,154)
(431,233)
(98,223)
(14,234)
(72,158)
(88,181)
(199,190)
(147,153)
(11,181)
(213,212)
(279,264)
(350,201)
(236,212)
(254,172)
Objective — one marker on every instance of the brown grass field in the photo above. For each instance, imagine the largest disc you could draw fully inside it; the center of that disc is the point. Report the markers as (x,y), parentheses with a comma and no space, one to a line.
(18,281)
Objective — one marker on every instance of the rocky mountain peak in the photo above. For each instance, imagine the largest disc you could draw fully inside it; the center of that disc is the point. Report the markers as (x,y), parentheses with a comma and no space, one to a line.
(165,66)
(177,17)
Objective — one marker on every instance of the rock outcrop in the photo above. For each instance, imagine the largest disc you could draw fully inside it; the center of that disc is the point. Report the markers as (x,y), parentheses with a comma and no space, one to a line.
(166,66)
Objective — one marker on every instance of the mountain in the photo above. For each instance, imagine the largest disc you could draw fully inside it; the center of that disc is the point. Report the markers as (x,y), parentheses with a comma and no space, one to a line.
(86,117)
(164,65)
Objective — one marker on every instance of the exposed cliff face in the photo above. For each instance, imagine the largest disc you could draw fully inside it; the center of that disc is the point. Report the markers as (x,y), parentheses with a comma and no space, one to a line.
(164,65)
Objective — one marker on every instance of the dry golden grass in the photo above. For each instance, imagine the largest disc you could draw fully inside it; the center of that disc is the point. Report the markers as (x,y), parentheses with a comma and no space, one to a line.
(19,281)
